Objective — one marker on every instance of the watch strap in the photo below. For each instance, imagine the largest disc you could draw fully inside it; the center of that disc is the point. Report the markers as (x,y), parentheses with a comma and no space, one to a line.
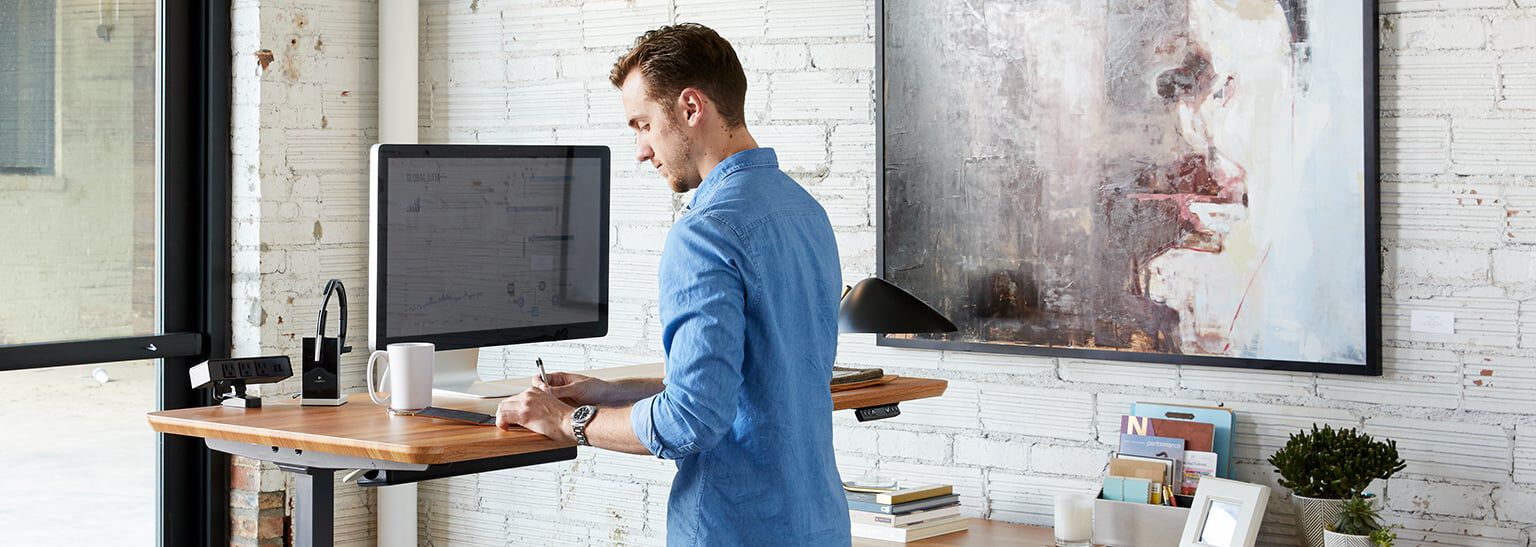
(579,427)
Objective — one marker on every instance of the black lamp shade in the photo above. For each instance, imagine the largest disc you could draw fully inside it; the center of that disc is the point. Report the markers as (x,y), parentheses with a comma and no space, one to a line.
(876,306)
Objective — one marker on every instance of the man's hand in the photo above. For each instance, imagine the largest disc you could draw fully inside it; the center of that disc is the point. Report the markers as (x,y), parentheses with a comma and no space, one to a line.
(582,389)
(539,411)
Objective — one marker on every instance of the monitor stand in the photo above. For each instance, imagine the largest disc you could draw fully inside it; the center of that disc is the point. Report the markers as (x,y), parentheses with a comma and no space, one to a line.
(454,373)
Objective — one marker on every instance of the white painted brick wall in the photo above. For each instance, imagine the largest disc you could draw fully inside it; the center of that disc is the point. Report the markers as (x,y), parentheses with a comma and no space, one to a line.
(1450,533)
(1514,33)
(1442,448)
(1076,461)
(1004,453)
(1262,429)
(1274,383)
(1518,72)
(1515,504)
(1427,377)
(1493,146)
(1111,372)
(1412,146)
(1458,92)
(1525,454)
(1441,498)
(300,132)
(1464,81)
(1026,498)
(1037,412)
(917,445)
(1435,31)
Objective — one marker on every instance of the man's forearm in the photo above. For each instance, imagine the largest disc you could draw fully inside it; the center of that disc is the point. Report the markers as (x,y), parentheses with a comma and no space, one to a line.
(625,392)
(611,430)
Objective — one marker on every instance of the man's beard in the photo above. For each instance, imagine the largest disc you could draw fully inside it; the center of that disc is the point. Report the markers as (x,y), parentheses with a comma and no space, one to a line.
(677,183)
(677,169)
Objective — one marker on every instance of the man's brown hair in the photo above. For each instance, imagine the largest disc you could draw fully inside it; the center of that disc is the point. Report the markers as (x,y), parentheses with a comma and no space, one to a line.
(685,55)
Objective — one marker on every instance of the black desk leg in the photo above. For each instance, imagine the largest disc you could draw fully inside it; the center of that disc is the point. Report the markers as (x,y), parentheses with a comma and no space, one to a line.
(314,517)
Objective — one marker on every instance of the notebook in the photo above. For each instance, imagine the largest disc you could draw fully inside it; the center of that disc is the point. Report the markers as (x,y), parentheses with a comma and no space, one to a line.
(1220,418)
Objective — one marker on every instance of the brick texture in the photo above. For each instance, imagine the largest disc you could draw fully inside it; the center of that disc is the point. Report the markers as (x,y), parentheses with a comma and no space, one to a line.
(301,128)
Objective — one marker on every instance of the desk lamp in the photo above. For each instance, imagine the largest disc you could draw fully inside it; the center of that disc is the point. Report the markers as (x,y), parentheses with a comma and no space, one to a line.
(876,306)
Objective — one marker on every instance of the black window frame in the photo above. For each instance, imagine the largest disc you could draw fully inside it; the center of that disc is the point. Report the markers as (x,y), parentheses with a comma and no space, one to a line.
(192,490)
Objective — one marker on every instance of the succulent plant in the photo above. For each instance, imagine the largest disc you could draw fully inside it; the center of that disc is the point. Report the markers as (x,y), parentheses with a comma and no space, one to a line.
(1357,517)
(1334,463)
(1383,537)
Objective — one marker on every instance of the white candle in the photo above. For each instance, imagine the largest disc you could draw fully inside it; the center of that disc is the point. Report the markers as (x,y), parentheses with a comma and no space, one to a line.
(1074,519)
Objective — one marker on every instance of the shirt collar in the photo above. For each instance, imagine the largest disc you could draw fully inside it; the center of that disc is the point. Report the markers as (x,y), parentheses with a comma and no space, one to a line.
(745,159)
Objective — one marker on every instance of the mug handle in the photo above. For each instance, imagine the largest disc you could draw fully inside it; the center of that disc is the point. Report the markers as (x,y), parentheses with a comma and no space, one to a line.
(385,373)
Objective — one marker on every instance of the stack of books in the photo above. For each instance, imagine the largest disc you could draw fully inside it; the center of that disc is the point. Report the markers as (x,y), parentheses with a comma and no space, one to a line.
(908,513)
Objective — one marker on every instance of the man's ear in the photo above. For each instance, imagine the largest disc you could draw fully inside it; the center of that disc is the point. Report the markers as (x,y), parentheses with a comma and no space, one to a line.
(692,103)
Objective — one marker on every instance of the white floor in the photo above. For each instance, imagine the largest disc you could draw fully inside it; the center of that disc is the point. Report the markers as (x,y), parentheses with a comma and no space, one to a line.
(77,457)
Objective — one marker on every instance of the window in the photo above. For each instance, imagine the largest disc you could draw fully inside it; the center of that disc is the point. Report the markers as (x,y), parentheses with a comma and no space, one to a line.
(26,87)
(114,272)
(82,252)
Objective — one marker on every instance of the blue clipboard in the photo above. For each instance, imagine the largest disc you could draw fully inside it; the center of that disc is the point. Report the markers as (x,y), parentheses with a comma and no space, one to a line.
(1219,417)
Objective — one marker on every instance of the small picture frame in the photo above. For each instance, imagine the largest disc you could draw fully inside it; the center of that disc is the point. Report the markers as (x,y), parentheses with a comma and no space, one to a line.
(1225,513)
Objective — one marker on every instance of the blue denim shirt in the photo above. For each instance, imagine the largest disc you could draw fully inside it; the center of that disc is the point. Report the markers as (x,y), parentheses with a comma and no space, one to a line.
(750,284)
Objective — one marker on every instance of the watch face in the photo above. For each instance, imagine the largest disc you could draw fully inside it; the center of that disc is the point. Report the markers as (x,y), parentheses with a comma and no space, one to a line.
(582,414)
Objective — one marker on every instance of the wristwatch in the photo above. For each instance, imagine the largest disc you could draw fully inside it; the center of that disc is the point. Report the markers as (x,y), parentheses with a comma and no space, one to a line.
(579,420)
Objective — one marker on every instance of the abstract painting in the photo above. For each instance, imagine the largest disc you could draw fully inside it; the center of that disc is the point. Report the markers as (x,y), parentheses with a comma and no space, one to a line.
(1182,181)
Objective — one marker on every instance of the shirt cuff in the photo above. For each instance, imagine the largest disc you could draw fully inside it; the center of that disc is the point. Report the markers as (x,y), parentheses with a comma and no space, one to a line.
(642,419)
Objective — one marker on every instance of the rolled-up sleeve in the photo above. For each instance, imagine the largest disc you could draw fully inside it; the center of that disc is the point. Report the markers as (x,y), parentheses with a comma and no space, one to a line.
(702,302)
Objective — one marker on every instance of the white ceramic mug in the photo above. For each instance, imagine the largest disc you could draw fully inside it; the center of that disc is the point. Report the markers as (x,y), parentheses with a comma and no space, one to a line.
(408,372)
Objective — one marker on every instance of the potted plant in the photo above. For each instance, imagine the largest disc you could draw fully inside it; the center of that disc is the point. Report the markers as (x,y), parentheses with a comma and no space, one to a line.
(1324,467)
(1358,525)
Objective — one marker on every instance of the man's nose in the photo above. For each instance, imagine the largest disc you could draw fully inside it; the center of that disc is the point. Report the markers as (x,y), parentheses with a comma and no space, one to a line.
(643,152)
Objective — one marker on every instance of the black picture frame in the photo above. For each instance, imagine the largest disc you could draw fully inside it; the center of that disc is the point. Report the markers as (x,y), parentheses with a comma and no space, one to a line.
(1372,187)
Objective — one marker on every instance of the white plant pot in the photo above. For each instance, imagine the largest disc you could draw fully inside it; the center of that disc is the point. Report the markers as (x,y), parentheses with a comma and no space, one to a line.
(1335,539)
(1315,515)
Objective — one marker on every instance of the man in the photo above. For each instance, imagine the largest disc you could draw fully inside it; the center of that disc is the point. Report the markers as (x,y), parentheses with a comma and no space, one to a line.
(749,293)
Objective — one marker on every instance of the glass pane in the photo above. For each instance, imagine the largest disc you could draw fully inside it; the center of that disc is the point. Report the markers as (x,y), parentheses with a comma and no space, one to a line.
(79,458)
(77,169)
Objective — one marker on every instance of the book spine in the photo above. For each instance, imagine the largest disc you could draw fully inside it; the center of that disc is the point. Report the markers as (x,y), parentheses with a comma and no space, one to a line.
(904,535)
(912,495)
(869,507)
(897,535)
(908,507)
(909,519)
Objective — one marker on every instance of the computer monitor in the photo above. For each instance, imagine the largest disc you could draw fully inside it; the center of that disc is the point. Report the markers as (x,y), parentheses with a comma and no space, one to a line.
(477,245)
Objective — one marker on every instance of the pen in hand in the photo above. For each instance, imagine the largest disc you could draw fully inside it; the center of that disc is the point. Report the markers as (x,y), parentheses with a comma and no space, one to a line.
(542,378)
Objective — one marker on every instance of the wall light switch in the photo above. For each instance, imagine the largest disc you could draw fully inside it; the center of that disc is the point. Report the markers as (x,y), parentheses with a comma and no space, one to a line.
(1435,322)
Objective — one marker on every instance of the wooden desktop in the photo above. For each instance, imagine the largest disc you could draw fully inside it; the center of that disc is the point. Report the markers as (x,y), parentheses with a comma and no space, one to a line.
(983,533)
(313,442)
(362,429)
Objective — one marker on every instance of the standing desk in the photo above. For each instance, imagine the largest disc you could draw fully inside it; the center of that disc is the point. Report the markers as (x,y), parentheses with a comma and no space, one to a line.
(313,442)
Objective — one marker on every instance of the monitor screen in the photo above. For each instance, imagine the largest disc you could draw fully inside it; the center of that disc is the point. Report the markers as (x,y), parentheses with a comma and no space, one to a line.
(481,245)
